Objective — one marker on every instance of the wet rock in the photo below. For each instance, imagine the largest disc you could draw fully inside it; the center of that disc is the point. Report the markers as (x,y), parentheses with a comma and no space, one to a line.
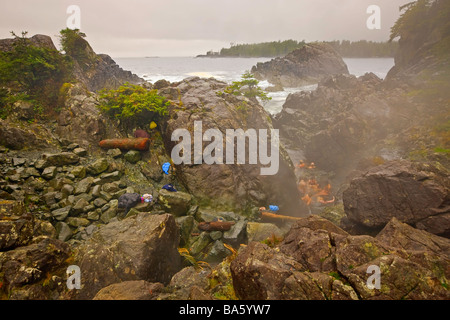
(115,153)
(316,286)
(199,244)
(79,172)
(185,284)
(271,267)
(97,167)
(61,214)
(84,185)
(99,202)
(77,222)
(237,234)
(49,173)
(81,152)
(63,231)
(130,290)
(143,247)
(257,231)
(217,252)
(110,177)
(176,203)
(19,162)
(401,235)
(132,156)
(60,159)
(23,271)
(16,225)
(185,224)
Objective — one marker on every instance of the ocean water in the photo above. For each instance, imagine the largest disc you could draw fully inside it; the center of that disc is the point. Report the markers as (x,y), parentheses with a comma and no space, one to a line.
(176,69)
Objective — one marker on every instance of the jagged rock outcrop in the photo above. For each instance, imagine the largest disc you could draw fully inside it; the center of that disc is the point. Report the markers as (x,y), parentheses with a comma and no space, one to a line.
(38,40)
(35,271)
(343,121)
(319,261)
(307,65)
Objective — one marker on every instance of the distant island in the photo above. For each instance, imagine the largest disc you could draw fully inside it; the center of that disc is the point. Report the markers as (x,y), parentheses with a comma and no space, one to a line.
(346,48)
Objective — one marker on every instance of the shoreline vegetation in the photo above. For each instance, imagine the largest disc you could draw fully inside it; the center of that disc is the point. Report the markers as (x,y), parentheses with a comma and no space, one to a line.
(346,48)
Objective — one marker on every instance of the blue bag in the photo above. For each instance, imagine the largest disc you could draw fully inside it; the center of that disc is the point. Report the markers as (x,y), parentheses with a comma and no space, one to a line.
(169,187)
(166,167)
(274,208)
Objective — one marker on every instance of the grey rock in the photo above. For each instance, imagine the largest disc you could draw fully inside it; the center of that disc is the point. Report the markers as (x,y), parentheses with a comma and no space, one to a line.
(132,156)
(176,203)
(60,159)
(94,215)
(237,234)
(98,166)
(217,252)
(61,214)
(79,206)
(77,222)
(110,177)
(49,173)
(79,172)
(115,153)
(67,190)
(80,152)
(99,202)
(257,231)
(63,231)
(84,185)
(19,161)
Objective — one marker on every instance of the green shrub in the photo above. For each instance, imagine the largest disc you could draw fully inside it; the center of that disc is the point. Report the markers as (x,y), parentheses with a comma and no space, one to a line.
(34,73)
(75,46)
(247,87)
(133,105)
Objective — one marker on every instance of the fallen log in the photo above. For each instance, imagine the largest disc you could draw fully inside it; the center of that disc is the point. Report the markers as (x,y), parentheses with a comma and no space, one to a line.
(215,226)
(266,214)
(141,144)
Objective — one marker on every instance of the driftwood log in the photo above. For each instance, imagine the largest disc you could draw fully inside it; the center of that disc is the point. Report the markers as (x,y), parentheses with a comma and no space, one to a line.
(141,144)
(215,226)
(278,217)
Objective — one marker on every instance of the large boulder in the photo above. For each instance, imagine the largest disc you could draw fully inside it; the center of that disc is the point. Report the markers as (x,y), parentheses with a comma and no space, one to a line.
(415,193)
(142,247)
(229,187)
(306,65)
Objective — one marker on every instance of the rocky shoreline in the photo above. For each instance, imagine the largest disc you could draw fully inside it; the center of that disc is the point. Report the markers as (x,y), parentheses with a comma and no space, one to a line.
(361,186)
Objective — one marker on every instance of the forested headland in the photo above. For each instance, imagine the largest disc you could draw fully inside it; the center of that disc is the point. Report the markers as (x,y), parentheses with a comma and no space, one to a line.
(346,48)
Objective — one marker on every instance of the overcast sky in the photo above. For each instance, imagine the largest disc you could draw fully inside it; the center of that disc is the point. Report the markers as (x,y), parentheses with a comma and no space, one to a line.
(136,28)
